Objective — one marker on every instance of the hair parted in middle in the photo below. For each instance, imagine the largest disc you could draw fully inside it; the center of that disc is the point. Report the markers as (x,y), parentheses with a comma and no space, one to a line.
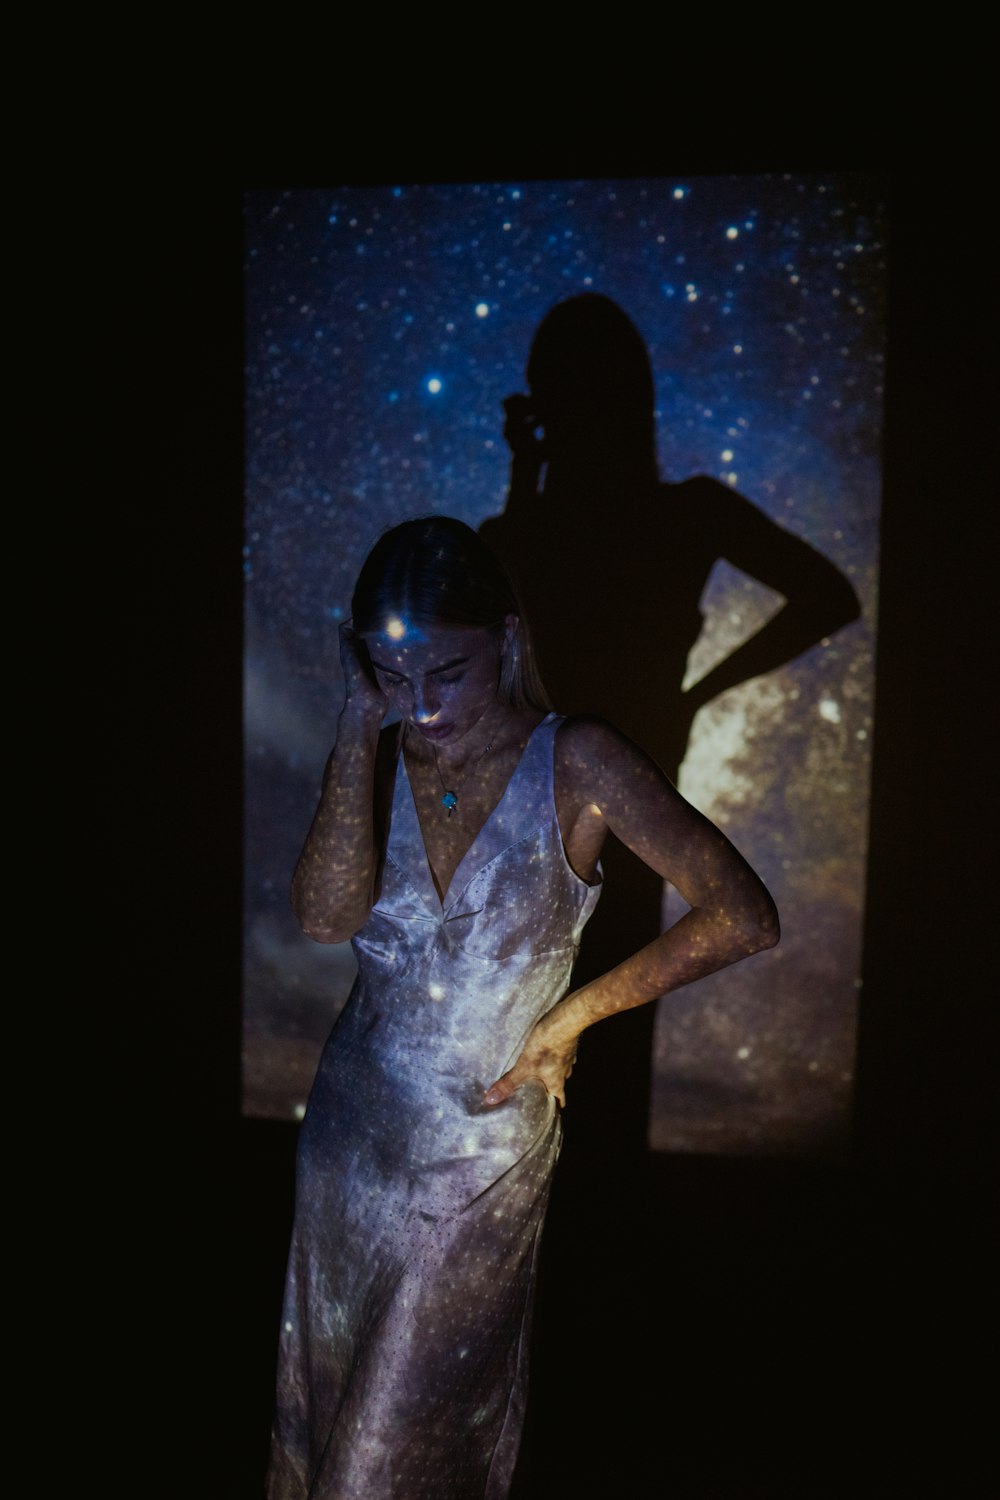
(435,570)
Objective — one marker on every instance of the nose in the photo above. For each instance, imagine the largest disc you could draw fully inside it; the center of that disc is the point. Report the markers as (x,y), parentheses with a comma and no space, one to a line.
(426,703)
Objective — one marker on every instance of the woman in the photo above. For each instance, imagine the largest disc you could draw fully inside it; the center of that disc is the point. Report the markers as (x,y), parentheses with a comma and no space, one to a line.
(459,850)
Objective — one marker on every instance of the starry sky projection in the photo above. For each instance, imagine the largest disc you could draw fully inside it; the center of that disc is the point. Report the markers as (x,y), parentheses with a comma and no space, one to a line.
(384,327)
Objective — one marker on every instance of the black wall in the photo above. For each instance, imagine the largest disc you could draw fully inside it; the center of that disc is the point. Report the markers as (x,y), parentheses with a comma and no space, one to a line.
(718,1328)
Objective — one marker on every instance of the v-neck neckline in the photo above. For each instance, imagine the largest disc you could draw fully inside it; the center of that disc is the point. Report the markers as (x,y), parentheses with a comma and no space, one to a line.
(442,898)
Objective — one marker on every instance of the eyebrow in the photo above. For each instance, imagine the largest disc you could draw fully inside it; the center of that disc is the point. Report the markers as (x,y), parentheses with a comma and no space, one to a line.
(458,661)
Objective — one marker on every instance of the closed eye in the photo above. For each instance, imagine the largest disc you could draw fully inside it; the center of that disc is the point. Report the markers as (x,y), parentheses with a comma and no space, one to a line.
(444,673)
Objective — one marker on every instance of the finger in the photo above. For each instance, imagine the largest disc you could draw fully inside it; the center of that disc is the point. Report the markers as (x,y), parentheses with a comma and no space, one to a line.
(502,1089)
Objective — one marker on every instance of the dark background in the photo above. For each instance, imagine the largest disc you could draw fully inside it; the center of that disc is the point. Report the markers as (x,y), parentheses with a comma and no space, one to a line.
(815,1327)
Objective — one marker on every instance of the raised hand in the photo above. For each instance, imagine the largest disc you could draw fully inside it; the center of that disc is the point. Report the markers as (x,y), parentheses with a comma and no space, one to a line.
(364,696)
(520,428)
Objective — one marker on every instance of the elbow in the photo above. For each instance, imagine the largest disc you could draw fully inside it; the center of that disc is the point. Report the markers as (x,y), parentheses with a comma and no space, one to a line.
(770,935)
(754,927)
(763,930)
(321,932)
(326,927)
(331,932)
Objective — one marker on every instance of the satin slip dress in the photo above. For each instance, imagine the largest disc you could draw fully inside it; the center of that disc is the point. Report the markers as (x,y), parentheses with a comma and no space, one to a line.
(402,1367)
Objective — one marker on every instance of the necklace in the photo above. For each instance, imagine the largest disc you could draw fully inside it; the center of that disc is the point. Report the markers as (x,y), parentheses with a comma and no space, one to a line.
(450,798)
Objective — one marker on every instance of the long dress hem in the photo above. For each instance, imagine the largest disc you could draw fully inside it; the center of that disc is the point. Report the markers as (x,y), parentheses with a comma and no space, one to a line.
(403,1357)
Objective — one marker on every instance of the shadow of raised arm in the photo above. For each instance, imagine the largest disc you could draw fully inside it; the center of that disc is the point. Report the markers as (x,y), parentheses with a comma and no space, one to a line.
(819,598)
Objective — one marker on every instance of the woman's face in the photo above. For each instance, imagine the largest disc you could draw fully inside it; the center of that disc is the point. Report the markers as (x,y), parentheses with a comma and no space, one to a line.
(441,679)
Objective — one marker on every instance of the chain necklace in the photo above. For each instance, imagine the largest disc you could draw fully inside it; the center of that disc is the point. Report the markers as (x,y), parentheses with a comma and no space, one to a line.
(450,798)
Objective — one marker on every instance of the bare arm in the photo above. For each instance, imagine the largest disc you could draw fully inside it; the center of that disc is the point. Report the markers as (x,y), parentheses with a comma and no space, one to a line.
(732,914)
(334,882)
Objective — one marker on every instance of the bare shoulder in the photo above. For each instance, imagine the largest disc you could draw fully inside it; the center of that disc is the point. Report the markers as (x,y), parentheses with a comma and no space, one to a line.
(602,774)
(578,738)
(593,757)
(610,783)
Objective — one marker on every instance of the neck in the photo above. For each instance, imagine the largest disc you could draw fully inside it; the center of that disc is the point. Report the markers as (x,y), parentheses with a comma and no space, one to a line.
(491,729)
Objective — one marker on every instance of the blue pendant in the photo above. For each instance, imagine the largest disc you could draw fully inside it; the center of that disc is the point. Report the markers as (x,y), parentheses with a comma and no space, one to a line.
(449,800)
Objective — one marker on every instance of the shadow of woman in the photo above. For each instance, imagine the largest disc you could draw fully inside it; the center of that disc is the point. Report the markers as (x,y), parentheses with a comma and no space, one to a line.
(611,564)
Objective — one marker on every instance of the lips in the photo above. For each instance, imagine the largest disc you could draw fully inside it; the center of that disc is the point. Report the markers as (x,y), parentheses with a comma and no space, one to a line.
(435,731)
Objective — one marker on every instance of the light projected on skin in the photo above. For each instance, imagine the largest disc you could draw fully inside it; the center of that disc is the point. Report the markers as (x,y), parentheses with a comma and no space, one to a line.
(772,386)
(394,628)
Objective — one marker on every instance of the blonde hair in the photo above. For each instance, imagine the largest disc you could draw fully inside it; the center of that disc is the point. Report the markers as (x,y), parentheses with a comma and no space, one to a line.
(435,570)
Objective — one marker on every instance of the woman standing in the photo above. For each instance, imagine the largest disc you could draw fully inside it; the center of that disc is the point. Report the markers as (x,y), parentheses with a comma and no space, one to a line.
(458,849)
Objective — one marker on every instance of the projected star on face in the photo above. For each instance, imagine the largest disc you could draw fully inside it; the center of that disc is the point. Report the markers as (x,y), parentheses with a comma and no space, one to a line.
(397,629)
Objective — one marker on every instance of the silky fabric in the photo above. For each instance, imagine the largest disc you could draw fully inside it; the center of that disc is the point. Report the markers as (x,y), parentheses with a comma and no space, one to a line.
(402,1369)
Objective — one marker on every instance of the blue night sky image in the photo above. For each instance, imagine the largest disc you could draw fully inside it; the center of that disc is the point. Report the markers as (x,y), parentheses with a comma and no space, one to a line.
(385,326)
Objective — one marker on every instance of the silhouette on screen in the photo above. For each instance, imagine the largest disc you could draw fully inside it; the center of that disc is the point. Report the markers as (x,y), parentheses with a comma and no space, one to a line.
(611,563)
